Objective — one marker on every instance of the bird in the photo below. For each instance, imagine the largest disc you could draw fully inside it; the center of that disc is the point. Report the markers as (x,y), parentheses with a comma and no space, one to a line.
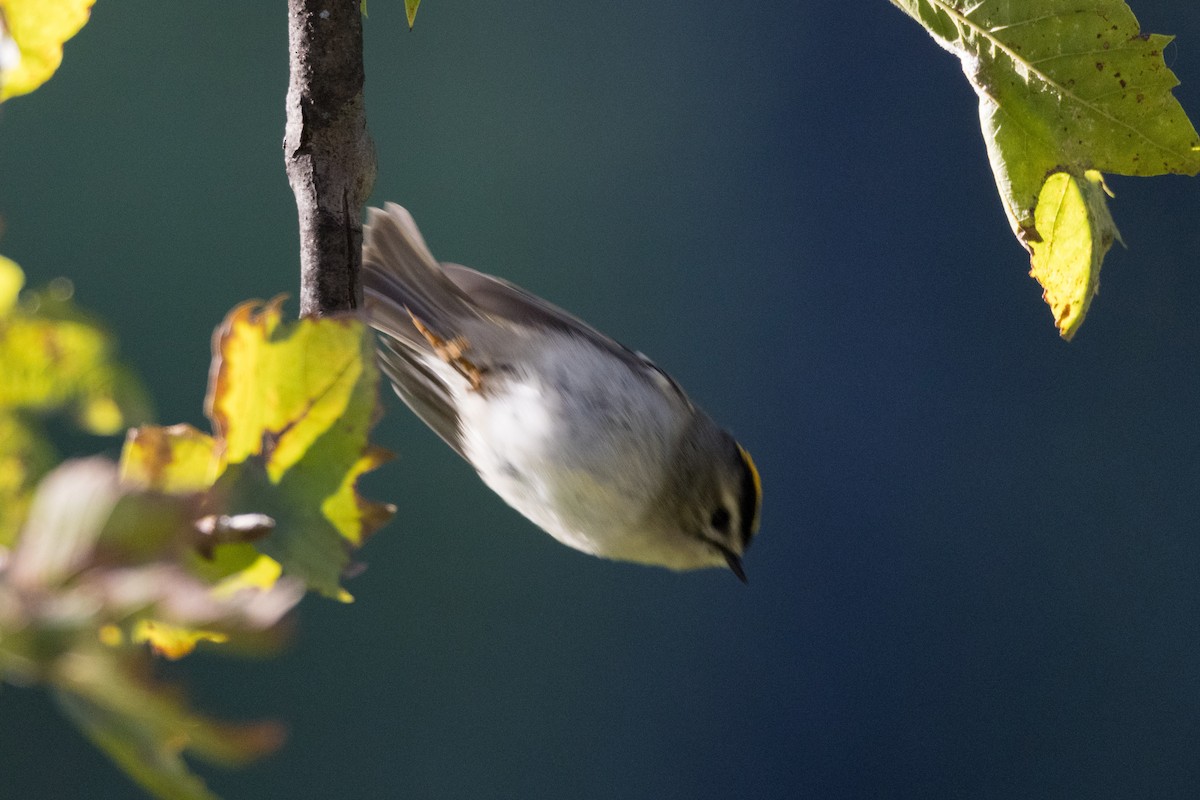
(588,439)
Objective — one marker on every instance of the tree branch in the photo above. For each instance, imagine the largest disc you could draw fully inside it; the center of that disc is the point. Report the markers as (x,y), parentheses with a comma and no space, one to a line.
(328,152)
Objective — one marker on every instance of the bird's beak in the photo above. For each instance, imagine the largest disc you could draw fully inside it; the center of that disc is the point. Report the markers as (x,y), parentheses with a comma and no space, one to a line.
(735,565)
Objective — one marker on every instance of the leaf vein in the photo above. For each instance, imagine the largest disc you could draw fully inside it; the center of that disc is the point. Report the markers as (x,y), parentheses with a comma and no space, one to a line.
(966,22)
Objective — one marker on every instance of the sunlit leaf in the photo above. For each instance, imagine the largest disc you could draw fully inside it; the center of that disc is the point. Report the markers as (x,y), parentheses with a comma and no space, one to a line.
(35,31)
(292,404)
(353,516)
(173,641)
(1077,230)
(277,387)
(176,460)
(11,281)
(262,573)
(1064,87)
(410,10)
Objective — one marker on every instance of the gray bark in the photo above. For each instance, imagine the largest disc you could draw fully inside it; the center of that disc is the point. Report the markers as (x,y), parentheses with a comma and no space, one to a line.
(328,152)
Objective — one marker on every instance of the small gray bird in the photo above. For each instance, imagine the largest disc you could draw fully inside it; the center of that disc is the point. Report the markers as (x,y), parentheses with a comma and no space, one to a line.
(585,437)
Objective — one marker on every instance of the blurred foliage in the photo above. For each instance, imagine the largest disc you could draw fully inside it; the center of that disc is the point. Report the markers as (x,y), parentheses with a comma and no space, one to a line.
(55,359)
(32,33)
(192,538)
(95,561)
(1065,88)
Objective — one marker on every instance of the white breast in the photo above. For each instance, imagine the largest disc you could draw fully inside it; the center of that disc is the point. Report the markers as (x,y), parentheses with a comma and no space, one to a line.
(573,440)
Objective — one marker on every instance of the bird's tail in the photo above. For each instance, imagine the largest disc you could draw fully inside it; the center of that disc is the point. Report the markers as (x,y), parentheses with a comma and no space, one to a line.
(401,280)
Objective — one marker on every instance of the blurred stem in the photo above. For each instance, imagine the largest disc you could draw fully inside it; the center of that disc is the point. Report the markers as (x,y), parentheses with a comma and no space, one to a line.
(329,155)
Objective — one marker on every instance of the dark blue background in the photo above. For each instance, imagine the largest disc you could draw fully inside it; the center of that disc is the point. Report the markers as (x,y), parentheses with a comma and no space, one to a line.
(977,572)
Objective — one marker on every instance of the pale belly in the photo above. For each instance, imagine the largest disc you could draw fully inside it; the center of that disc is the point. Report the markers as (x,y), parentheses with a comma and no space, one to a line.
(571,451)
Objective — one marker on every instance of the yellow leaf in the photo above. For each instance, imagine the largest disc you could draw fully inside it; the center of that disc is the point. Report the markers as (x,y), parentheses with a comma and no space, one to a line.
(176,460)
(261,574)
(292,405)
(53,357)
(347,511)
(46,361)
(110,635)
(410,10)
(11,281)
(100,414)
(33,32)
(1075,230)
(172,641)
(280,387)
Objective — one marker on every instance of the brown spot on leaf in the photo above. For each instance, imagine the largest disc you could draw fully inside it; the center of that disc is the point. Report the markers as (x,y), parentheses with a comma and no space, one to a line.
(1100,66)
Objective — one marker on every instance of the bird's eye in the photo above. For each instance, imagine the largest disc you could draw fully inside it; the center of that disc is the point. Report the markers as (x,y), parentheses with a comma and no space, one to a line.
(720,520)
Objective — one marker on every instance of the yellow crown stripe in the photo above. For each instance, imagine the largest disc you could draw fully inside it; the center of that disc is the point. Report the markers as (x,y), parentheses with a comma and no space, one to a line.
(749,462)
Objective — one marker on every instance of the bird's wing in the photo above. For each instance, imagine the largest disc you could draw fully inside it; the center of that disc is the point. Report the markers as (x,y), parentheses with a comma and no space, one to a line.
(501,300)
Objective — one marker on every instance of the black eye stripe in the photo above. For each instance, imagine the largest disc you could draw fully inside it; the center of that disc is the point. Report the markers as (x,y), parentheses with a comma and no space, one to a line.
(720,519)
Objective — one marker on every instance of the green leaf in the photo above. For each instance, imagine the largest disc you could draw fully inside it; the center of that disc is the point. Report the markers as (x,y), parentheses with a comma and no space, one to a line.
(292,405)
(1064,87)
(146,729)
(305,543)
(410,9)
(32,33)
